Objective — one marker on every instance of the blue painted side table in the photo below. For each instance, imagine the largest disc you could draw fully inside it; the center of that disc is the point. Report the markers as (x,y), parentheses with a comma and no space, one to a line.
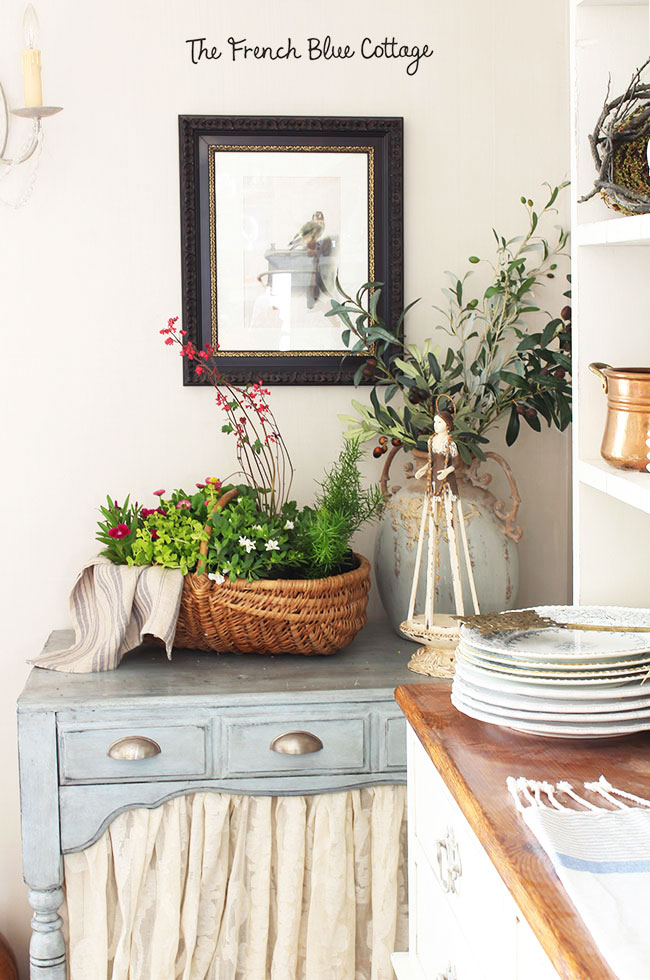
(93,745)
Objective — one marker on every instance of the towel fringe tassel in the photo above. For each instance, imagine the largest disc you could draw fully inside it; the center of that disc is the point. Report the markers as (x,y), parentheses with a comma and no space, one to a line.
(535,793)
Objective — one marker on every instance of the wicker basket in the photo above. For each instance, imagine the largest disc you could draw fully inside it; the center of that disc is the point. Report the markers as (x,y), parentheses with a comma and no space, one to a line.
(269,616)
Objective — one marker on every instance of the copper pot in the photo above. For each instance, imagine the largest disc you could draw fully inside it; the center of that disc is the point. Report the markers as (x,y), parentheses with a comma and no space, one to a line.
(628,415)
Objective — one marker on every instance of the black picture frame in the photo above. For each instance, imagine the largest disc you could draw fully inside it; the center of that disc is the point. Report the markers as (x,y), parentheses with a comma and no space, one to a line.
(200,138)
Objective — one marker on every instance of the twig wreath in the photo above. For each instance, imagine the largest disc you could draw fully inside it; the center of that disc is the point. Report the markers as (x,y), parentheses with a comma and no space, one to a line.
(619,146)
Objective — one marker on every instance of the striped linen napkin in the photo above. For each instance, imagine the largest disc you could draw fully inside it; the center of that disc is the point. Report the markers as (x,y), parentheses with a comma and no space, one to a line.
(602,857)
(113,608)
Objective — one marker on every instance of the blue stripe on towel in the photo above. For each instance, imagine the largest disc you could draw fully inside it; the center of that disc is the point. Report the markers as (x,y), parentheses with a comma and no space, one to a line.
(602,867)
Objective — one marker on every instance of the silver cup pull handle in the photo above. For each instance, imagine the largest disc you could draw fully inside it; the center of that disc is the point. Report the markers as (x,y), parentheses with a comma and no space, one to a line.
(296,743)
(132,748)
(443,865)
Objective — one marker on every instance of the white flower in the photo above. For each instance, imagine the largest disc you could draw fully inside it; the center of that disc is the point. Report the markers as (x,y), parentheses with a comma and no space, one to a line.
(217,577)
(248,544)
(288,526)
(272,545)
(257,527)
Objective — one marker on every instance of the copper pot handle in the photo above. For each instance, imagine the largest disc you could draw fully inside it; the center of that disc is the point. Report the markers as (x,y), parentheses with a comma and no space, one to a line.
(508,518)
(597,368)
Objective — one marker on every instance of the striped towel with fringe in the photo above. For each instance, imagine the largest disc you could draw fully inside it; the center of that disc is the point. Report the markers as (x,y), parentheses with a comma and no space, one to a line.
(113,609)
(602,857)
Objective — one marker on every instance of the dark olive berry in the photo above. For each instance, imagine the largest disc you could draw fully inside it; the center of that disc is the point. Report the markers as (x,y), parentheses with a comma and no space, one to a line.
(384,449)
(382,440)
(521,409)
(372,362)
(544,372)
(367,371)
(377,452)
(395,441)
(565,312)
(531,413)
(559,372)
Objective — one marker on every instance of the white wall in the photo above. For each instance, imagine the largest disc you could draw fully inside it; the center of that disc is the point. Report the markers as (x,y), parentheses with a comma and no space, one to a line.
(90,269)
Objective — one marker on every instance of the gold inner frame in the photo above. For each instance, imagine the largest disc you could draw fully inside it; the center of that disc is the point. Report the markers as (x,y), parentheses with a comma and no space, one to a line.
(217,148)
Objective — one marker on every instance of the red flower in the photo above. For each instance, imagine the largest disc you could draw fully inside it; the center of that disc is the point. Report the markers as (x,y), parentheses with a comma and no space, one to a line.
(201,486)
(159,493)
(154,534)
(183,505)
(159,510)
(120,531)
(199,370)
(169,340)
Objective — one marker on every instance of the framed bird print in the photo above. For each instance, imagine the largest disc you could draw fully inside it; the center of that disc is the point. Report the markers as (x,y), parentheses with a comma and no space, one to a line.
(278,214)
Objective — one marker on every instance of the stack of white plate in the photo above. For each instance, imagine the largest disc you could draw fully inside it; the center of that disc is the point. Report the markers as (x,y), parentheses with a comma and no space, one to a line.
(558,682)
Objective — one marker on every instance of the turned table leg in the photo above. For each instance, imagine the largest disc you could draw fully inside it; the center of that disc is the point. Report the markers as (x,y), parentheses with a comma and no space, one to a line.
(47,947)
(42,864)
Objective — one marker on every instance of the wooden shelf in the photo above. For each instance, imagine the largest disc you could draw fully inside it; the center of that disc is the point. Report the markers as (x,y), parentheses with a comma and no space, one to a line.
(628,486)
(633,230)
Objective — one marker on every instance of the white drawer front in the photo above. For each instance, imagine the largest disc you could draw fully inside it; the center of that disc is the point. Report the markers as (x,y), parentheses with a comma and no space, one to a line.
(248,744)
(83,754)
(441,950)
(464,874)
(532,961)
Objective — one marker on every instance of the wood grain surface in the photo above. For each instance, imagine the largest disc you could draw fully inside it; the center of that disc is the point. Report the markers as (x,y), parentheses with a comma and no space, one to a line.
(475,759)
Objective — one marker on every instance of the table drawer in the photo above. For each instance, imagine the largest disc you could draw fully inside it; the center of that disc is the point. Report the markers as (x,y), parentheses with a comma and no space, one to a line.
(297,741)
(179,750)
(463,872)
(440,951)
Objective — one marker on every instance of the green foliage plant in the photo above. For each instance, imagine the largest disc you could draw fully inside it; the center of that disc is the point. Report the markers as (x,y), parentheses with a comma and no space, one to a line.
(494,364)
(172,539)
(244,540)
(341,508)
(117,530)
(248,543)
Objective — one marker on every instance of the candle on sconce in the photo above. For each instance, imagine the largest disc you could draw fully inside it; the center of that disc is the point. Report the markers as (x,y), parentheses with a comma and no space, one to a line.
(31,58)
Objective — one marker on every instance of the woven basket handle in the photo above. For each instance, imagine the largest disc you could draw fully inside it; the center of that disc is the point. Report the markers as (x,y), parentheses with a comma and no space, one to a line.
(219,503)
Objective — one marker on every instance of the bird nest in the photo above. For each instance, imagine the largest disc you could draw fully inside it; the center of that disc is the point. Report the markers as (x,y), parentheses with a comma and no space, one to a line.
(619,147)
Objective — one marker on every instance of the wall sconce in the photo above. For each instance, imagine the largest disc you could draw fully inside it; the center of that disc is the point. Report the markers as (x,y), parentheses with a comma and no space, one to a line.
(33,109)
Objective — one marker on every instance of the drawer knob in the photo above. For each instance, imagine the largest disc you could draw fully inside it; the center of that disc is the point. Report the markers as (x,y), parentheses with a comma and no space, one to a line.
(450,868)
(296,743)
(133,747)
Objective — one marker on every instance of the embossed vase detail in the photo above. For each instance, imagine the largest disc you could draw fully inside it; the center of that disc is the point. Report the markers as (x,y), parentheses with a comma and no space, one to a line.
(492,535)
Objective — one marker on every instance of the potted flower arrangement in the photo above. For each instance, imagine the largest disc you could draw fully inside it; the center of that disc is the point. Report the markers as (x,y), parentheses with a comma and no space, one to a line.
(503,358)
(262,575)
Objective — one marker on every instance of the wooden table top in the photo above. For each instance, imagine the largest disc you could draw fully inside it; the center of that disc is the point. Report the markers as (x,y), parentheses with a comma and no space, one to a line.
(475,759)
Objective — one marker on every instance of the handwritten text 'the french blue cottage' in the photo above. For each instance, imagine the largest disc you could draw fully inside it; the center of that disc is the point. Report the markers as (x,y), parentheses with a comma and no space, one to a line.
(316,49)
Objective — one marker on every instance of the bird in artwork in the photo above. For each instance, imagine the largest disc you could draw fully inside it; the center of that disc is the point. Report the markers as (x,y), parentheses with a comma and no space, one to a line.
(310,232)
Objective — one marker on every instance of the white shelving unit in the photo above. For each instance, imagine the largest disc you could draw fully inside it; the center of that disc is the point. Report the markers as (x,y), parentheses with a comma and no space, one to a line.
(611,316)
